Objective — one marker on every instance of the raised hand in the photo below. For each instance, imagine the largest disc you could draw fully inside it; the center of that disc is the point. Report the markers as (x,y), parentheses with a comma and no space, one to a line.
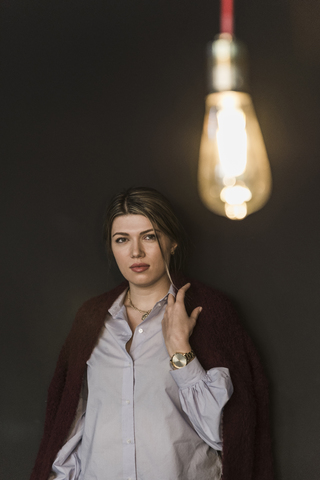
(177,326)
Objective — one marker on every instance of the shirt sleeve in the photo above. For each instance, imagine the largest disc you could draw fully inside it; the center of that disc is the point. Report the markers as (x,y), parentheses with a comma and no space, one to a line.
(203,395)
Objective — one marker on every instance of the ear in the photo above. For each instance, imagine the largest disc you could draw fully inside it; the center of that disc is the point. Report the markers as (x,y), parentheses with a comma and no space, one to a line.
(173,247)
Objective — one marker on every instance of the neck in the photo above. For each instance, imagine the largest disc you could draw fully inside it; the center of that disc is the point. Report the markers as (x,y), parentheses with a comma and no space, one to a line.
(146,296)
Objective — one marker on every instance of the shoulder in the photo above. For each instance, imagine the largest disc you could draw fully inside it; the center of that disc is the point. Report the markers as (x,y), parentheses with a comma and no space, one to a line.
(203,295)
(219,318)
(91,315)
(218,333)
(104,300)
(207,293)
(214,302)
(199,288)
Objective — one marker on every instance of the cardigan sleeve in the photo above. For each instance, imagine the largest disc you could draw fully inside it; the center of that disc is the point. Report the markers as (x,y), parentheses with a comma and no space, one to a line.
(53,401)
(65,387)
(220,339)
(263,445)
(246,428)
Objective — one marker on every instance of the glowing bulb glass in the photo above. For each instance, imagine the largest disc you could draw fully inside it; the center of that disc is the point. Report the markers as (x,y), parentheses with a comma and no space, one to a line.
(234,175)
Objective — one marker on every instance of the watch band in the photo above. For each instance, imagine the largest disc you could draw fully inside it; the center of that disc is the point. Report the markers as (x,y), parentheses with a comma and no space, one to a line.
(180,360)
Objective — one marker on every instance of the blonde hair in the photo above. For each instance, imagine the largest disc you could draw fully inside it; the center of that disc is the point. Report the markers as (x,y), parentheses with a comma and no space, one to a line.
(151,204)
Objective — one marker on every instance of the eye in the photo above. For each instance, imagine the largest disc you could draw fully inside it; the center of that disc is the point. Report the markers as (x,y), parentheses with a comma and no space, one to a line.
(121,240)
(150,236)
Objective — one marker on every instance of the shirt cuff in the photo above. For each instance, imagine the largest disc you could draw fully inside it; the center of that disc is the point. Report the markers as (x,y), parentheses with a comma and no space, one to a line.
(189,375)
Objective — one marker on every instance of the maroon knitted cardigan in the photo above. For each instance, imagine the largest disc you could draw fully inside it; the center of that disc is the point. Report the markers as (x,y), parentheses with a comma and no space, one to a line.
(218,341)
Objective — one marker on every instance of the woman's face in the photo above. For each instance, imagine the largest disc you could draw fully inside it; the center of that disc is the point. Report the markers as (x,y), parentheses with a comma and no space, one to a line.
(136,249)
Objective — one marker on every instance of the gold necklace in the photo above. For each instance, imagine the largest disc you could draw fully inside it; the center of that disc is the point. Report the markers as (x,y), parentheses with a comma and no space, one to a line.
(145,312)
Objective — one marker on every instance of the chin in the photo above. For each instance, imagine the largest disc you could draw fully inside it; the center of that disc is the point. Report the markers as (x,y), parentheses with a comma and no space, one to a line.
(145,279)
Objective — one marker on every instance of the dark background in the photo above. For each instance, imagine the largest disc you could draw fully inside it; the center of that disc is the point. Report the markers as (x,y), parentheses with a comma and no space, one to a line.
(101,95)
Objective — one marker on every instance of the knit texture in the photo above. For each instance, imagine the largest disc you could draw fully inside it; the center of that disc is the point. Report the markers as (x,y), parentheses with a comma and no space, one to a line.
(218,340)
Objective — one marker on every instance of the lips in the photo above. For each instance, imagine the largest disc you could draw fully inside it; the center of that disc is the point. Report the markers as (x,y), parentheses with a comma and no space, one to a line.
(139,267)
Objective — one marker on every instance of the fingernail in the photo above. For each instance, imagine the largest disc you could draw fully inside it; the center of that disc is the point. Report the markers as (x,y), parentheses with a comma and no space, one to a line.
(200,309)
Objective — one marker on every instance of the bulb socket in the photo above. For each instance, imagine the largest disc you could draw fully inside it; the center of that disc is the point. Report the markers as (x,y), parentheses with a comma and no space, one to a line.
(227,65)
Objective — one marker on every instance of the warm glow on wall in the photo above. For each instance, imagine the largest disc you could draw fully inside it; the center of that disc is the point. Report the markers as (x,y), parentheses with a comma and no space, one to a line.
(234,175)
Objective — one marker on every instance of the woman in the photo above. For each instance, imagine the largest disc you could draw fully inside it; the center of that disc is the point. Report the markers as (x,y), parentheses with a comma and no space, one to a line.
(145,373)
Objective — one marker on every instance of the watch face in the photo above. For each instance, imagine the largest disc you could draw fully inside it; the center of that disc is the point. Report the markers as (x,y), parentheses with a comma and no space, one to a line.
(179,360)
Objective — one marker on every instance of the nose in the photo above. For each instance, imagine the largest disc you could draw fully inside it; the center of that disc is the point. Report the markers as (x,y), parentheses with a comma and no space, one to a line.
(136,249)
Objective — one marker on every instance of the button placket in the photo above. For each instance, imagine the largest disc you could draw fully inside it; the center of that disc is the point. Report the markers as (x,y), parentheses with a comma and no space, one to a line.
(128,423)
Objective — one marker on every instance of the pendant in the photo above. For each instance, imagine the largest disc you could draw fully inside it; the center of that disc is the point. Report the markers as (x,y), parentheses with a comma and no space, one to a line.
(144,316)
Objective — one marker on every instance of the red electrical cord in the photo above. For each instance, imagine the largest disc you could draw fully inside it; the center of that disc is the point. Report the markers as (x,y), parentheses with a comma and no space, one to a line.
(226,17)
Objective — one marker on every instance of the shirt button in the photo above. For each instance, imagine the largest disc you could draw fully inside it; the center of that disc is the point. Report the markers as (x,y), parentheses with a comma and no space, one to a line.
(127,402)
(140,330)
(128,441)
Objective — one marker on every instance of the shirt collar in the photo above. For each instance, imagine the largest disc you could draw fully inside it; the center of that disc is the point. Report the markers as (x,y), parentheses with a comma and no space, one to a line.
(117,306)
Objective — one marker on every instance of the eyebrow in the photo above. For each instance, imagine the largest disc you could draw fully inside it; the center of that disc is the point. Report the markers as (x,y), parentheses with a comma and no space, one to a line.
(141,233)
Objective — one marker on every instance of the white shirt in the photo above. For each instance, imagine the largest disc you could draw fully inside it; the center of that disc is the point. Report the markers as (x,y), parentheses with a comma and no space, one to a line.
(144,421)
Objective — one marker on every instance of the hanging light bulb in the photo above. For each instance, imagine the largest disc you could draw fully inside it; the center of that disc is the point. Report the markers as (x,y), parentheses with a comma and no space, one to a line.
(234,175)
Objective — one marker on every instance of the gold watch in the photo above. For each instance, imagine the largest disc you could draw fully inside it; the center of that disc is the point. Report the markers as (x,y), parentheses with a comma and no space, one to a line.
(180,360)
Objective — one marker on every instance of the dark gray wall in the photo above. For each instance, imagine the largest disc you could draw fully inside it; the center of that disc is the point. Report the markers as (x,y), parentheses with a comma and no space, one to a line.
(102,95)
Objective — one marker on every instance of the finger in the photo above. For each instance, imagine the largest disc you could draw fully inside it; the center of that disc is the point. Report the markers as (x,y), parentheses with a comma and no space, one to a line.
(195,313)
(182,291)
